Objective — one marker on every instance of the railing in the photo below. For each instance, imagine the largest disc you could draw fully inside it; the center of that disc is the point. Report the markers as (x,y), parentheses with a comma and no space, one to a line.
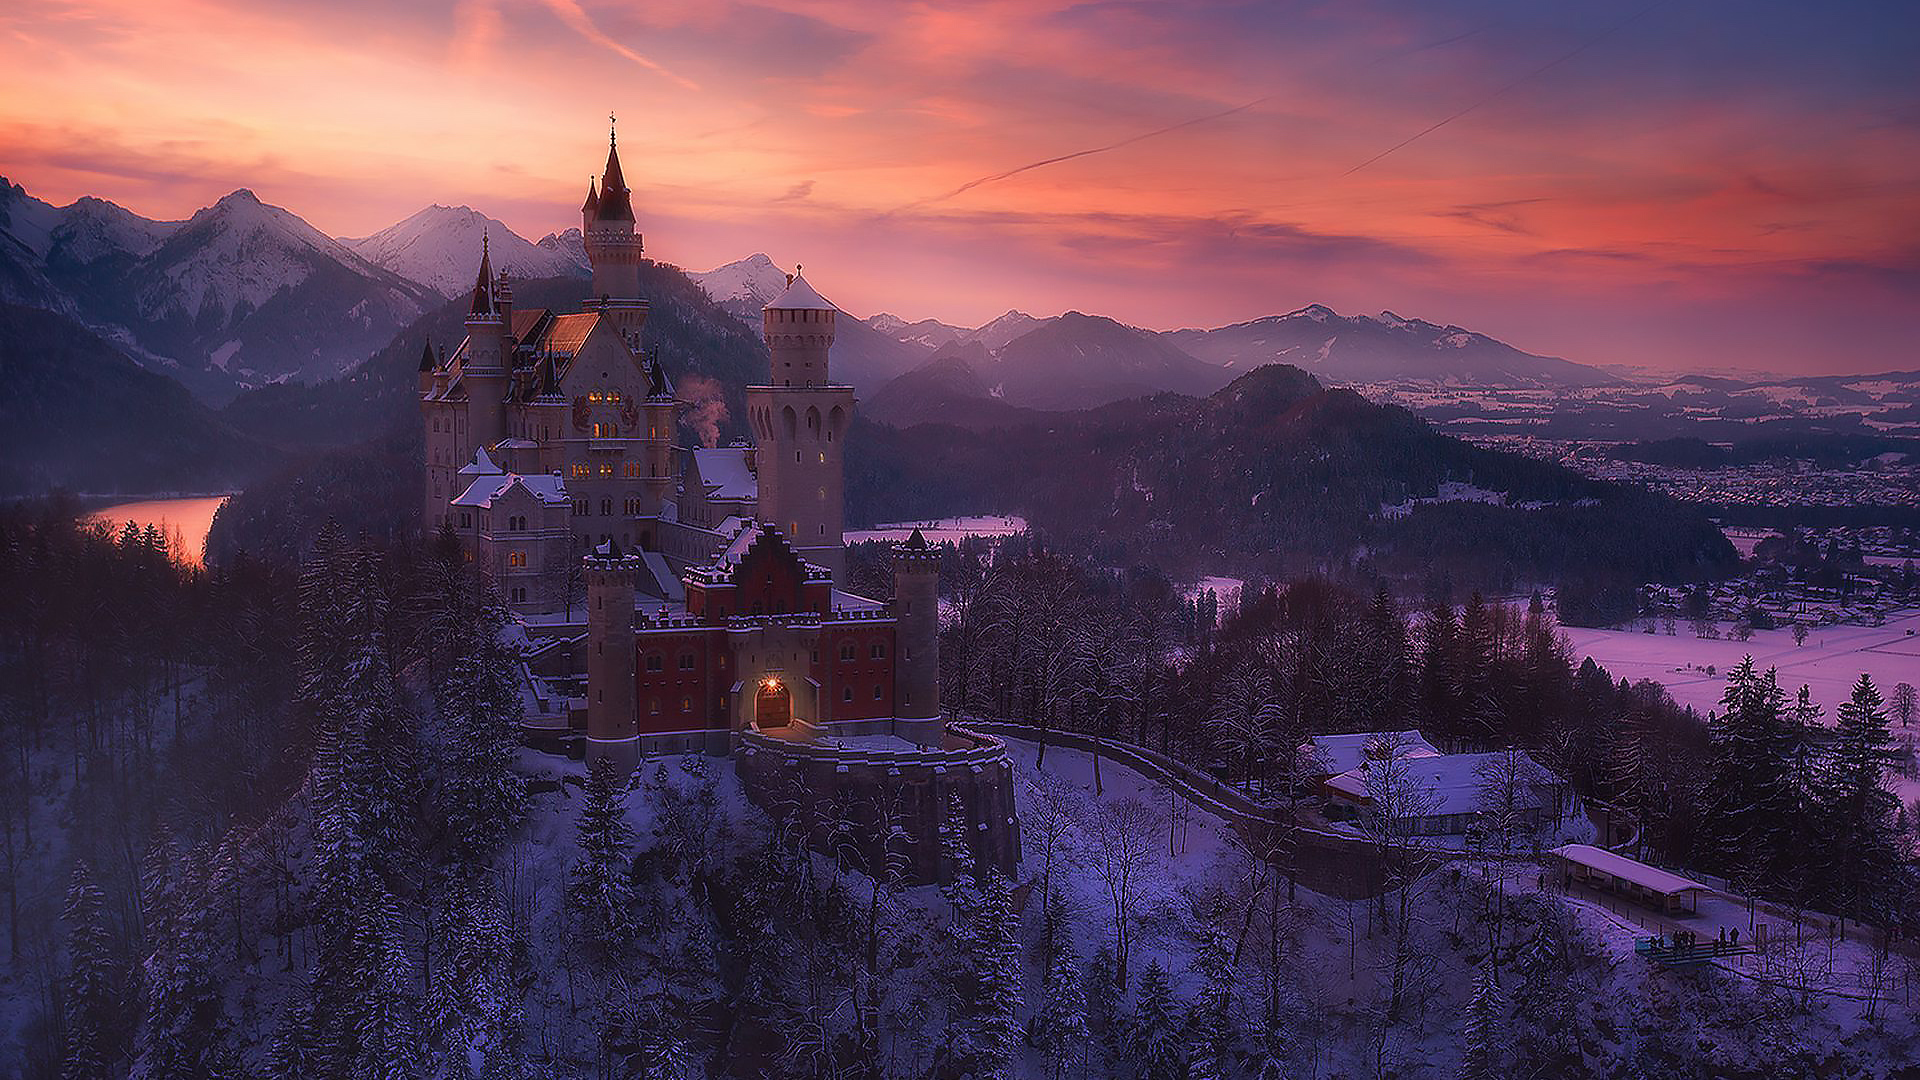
(986,750)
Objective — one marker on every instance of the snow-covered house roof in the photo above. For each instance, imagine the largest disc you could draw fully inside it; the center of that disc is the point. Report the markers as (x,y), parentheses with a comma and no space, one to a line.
(1340,753)
(486,490)
(1653,878)
(800,296)
(1444,783)
(724,472)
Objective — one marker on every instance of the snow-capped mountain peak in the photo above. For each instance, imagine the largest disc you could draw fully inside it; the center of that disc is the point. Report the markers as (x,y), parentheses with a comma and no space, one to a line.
(439,247)
(747,284)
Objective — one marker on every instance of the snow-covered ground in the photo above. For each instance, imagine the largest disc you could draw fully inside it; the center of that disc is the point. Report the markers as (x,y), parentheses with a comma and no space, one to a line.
(942,530)
(1831,661)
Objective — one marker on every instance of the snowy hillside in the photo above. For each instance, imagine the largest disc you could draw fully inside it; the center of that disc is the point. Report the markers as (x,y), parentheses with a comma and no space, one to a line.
(439,247)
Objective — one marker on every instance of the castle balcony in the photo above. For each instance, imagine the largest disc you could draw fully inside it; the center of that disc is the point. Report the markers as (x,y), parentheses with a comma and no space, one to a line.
(607,445)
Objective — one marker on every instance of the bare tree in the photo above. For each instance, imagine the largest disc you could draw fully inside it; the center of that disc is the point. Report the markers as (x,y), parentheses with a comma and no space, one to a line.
(1123,836)
(1902,703)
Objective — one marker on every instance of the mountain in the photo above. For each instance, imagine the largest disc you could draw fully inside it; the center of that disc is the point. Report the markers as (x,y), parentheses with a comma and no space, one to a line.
(570,246)
(241,294)
(1380,348)
(1275,471)
(439,248)
(1001,332)
(931,333)
(947,389)
(77,413)
(1077,361)
(743,286)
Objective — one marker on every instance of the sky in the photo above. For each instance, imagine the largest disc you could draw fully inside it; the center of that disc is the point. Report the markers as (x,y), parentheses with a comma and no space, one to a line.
(1690,185)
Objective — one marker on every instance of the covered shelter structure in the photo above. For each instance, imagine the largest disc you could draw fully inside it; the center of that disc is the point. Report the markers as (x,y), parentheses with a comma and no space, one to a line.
(1609,871)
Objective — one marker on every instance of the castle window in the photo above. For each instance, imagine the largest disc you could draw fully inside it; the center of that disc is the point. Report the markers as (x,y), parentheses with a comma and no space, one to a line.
(655,662)
(816,656)
(686,661)
(516,558)
(823,494)
(581,472)
(876,691)
(466,520)
(606,471)
(631,470)
(606,507)
(846,652)
(796,457)
(847,694)
(878,652)
(686,704)
(823,461)
(654,705)
(582,507)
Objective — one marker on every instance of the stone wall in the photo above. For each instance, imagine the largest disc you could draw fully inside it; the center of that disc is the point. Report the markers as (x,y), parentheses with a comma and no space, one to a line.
(848,797)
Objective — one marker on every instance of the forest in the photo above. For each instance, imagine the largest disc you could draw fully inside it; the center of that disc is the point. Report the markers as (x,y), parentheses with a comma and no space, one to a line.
(273,821)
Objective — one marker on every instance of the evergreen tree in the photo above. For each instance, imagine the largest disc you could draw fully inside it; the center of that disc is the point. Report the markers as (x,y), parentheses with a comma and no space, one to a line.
(1440,671)
(387,1037)
(1060,1026)
(1153,1037)
(600,889)
(1864,868)
(987,993)
(1749,802)
(295,1053)
(1210,1027)
(479,706)
(1480,1051)
(474,1010)
(1103,979)
(91,1002)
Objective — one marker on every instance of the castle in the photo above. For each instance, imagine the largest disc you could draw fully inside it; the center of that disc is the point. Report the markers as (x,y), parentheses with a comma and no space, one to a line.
(678,599)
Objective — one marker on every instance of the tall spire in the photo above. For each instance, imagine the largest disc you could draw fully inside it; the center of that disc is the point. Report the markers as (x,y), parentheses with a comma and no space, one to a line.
(614,202)
(483,285)
(592,206)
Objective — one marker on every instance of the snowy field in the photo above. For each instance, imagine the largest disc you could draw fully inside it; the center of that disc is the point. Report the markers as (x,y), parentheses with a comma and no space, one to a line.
(1831,661)
(941,530)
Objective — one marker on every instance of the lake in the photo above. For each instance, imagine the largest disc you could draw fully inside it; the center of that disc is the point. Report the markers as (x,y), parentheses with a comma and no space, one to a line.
(186,520)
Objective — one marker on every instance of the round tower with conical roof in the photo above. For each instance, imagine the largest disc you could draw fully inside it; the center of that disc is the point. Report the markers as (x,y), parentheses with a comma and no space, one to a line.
(614,248)
(800,421)
(613,729)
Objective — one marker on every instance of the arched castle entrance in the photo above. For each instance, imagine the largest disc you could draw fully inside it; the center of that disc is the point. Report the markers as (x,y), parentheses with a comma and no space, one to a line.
(773,704)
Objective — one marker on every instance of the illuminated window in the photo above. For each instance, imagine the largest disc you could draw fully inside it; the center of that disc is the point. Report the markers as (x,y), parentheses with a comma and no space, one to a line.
(686,704)
(823,457)
(631,470)
(516,558)
(606,472)
(581,472)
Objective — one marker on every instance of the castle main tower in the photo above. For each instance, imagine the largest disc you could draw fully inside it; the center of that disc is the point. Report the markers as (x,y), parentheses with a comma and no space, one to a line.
(614,248)
(612,725)
(916,651)
(800,421)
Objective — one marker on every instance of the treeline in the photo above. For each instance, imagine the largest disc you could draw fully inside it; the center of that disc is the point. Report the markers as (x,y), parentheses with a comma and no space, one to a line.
(1058,643)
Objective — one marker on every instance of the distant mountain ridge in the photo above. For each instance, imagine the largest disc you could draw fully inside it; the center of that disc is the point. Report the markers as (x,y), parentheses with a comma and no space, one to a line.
(1380,348)
(241,294)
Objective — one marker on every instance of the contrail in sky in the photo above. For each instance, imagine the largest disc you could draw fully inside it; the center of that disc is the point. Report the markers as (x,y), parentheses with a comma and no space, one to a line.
(971,184)
(1534,74)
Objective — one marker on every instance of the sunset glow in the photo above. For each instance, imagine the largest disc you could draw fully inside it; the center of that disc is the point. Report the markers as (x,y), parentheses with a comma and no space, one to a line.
(1697,186)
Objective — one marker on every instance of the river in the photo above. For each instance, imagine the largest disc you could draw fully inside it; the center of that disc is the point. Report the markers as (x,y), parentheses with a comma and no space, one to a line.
(186,520)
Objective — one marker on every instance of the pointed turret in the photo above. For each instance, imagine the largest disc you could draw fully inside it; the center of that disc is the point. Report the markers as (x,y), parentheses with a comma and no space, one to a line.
(427,363)
(615,203)
(591,207)
(483,284)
